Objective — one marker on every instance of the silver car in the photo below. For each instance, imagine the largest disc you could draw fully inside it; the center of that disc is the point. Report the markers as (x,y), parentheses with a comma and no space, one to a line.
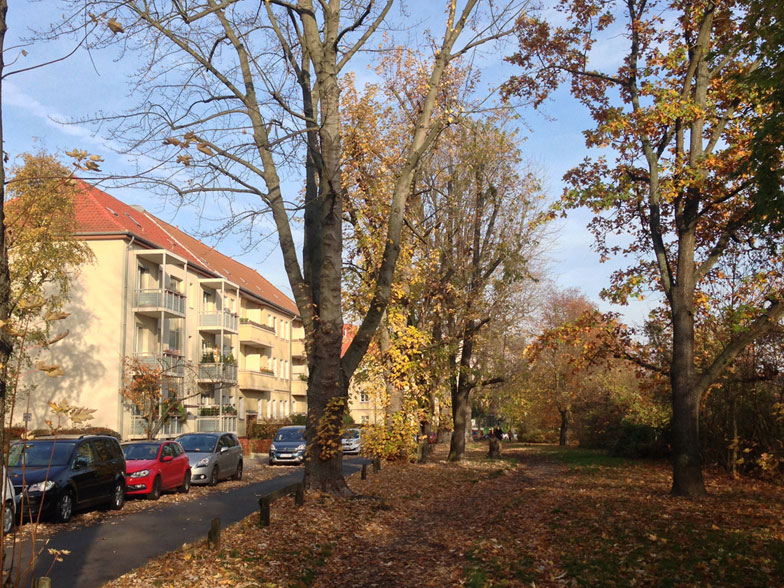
(351,441)
(212,456)
(10,499)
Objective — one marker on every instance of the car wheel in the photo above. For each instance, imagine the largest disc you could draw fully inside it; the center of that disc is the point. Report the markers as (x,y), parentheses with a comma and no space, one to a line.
(186,482)
(155,493)
(238,474)
(118,496)
(8,517)
(214,476)
(64,507)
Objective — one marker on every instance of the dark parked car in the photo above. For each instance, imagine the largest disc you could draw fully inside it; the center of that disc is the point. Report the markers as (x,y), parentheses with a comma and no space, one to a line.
(212,456)
(288,446)
(59,475)
(154,466)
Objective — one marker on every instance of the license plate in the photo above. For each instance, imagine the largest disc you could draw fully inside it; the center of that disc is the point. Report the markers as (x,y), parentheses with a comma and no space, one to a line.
(285,455)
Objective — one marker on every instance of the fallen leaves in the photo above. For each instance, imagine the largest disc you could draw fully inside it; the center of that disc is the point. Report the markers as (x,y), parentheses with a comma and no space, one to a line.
(524,521)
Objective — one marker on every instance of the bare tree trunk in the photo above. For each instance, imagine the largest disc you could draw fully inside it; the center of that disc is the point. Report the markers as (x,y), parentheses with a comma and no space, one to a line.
(327,401)
(565,421)
(394,396)
(687,477)
(734,452)
(461,391)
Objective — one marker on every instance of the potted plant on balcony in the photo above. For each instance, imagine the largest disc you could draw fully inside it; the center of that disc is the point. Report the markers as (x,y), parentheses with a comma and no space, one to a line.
(207,357)
(230,410)
(229,359)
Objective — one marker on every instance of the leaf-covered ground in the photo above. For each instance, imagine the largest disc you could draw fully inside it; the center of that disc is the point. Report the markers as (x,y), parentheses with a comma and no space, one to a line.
(541,516)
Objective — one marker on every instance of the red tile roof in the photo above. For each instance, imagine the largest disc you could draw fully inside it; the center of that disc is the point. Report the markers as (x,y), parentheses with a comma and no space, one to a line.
(98,214)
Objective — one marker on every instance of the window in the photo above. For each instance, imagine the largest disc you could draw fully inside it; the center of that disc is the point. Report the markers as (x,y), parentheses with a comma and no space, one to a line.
(364,419)
(167,450)
(84,454)
(175,284)
(364,397)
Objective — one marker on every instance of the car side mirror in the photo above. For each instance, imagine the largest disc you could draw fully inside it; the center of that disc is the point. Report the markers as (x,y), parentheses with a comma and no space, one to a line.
(167,458)
(224,449)
(80,463)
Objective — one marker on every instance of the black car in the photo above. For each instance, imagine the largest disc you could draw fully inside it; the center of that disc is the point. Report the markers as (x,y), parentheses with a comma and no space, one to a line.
(55,476)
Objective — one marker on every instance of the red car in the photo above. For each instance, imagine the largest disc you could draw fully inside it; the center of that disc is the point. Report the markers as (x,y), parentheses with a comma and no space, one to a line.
(154,466)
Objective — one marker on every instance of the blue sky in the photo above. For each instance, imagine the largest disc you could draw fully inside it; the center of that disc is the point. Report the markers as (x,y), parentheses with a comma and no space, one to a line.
(84,84)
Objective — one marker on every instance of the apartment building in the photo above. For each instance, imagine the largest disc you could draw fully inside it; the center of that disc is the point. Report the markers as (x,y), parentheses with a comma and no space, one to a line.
(229,344)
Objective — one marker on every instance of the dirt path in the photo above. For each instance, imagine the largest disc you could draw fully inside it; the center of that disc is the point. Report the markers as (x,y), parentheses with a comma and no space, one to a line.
(457,518)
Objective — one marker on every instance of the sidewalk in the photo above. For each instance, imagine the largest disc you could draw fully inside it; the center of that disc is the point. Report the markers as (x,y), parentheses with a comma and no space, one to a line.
(104,551)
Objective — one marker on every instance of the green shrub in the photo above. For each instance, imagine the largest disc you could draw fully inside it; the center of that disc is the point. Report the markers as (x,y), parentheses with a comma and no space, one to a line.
(641,441)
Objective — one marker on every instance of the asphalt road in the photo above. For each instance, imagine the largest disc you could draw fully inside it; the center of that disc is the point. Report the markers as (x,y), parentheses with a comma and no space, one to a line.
(107,550)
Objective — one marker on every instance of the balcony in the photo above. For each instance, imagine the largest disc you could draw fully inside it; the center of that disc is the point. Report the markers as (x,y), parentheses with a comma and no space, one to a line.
(218,372)
(138,426)
(299,387)
(298,348)
(155,301)
(255,334)
(170,365)
(263,381)
(217,423)
(216,321)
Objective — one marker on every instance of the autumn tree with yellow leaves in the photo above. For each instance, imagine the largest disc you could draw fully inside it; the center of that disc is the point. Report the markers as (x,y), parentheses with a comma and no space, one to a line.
(243,100)
(682,125)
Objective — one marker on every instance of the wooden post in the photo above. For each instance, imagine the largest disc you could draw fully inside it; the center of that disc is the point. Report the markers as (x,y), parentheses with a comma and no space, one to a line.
(43,582)
(299,495)
(377,465)
(264,512)
(364,471)
(213,536)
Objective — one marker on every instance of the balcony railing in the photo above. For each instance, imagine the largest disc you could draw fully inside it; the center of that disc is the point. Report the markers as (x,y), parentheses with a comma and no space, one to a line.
(256,334)
(217,372)
(171,428)
(219,320)
(160,299)
(256,380)
(298,348)
(213,424)
(299,387)
(170,365)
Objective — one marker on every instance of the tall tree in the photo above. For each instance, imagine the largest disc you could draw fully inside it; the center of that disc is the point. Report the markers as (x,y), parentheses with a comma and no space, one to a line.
(681,123)
(235,92)
(476,223)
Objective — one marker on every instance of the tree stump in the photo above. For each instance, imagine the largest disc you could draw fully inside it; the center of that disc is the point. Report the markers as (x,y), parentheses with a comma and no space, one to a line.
(495,448)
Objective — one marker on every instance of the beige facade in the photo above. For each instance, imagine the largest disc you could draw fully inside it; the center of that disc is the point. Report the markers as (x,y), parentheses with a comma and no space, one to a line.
(227,352)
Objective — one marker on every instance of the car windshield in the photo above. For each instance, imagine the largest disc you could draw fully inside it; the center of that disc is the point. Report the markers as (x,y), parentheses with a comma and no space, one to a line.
(141,451)
(351,434)
(290,435)
(197,443)
(41,453)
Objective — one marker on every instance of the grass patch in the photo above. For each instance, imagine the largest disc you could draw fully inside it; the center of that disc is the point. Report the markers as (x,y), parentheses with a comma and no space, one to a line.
(578,458)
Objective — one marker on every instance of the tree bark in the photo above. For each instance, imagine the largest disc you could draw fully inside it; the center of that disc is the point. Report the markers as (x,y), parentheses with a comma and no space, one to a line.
(565,421)
(687,477)
(461,391)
